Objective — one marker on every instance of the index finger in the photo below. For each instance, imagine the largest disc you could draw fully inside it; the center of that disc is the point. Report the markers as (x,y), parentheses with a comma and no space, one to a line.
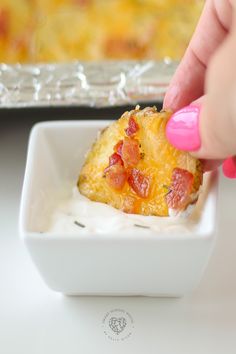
(188,81)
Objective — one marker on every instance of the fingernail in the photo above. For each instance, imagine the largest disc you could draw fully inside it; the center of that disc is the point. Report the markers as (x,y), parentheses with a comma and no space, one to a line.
(229,167)
(182,129)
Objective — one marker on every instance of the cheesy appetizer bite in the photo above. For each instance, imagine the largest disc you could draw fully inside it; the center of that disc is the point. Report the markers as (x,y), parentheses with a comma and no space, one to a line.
(133,167)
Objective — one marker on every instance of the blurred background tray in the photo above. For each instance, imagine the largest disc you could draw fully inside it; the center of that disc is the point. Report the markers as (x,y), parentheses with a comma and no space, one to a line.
(94,53)
(94,84)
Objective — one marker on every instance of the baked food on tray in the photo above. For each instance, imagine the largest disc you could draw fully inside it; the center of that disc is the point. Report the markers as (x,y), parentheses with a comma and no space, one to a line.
(62,30)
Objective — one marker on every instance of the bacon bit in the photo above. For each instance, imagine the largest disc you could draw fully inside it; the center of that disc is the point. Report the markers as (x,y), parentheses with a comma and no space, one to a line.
(180,189)
(132,127)
(116,176)
(130,152)
(118,147)
(4,23)
(115,159)
(139,183)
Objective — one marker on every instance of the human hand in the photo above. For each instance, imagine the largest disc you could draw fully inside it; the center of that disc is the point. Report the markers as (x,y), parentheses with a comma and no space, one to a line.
(205,82)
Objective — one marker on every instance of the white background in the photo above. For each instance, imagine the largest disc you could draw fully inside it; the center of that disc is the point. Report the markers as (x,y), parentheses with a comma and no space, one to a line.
(36,320)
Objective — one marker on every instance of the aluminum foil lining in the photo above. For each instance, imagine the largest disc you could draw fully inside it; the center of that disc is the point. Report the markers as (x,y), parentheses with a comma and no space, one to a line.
(94,84)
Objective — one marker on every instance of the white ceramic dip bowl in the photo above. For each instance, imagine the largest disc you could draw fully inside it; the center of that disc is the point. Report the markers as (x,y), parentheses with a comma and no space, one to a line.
(79,252)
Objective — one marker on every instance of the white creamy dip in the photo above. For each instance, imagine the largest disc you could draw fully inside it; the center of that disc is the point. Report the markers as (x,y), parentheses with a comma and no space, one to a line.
(78,214)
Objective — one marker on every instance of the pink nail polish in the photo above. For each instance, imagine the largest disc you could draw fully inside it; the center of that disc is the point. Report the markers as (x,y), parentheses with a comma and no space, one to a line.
(229,167)
(182,129)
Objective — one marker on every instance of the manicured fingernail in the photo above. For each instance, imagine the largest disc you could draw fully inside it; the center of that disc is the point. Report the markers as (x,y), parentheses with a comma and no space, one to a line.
(182,129)
(229,167)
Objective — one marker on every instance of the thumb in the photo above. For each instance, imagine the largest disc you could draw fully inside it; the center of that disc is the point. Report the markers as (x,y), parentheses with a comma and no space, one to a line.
(183,131)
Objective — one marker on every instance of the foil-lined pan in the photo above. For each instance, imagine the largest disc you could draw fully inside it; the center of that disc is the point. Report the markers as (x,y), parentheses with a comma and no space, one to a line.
(92,84)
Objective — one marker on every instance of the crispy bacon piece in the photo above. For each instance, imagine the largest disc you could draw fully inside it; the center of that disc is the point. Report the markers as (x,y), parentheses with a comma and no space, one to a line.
(130,152)
(118,147)
(133,127)
(4,23)
(116,176)
(139,183)
(180,189)
(115,159)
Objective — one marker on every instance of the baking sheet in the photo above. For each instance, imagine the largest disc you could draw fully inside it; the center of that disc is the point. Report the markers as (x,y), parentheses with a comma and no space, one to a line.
(91,84)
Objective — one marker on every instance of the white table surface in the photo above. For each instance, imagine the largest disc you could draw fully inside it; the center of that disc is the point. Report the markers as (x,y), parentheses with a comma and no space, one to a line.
(36,320)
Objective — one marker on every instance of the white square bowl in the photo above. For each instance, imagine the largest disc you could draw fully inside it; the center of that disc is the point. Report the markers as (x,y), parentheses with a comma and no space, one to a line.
(154,264)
